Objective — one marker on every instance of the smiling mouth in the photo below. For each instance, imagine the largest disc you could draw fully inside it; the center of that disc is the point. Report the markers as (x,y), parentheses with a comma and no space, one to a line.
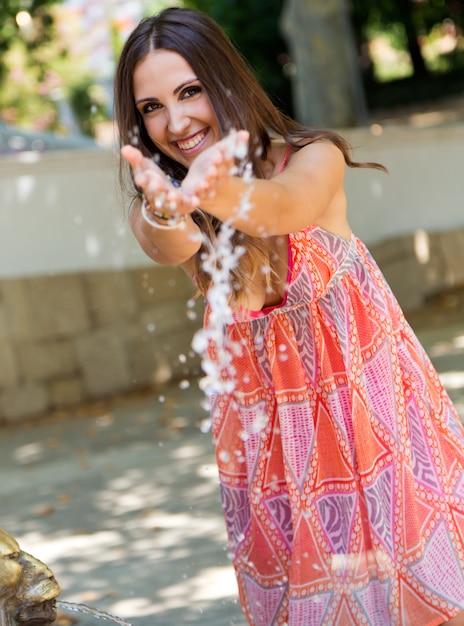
(193,142)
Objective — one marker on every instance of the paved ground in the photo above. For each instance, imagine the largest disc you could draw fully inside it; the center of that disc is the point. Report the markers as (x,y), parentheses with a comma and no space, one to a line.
(122,501)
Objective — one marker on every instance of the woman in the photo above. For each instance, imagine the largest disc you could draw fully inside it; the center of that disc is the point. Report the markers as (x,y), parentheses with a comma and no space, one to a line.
(340,455)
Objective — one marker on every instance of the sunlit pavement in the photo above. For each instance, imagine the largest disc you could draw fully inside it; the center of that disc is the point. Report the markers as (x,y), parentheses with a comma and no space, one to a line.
(122,500)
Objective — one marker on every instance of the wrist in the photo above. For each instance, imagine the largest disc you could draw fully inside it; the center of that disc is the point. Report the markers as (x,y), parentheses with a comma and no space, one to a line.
(159,219)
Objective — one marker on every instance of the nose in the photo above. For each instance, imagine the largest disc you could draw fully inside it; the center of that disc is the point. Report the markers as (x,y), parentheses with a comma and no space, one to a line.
(178,121)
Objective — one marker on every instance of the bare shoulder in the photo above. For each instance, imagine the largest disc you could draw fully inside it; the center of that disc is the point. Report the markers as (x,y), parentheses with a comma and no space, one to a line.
(324,152)
(319,163)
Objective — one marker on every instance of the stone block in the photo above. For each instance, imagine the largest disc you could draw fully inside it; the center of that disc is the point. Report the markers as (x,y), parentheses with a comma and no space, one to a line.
(406,279)
(158,283)
(435,270)
(46,360)
(9,370)
(452,245)
(103,361)
(111,296)
(66,392)
(17,315)
(167,317)
(23,401)
(393,250)
(57,305)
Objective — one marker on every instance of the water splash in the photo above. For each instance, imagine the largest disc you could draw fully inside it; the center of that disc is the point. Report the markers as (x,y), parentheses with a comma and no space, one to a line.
(82,608)
(220,258)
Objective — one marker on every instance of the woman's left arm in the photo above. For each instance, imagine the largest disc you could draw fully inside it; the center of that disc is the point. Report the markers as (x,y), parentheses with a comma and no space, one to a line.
(290,201)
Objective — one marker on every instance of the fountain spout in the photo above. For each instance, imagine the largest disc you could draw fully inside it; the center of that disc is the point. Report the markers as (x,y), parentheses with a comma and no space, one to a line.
(28,588)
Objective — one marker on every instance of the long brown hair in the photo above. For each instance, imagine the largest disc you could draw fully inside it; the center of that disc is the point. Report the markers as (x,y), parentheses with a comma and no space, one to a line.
(238,101)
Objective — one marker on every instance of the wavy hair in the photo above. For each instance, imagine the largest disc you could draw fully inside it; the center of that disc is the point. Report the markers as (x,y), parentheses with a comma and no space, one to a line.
(238,101)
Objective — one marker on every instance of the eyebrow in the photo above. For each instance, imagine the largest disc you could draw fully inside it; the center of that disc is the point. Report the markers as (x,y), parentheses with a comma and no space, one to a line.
(175,92)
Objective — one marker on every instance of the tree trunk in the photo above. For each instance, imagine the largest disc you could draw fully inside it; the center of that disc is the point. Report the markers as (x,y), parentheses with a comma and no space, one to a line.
(414,49)
(327,85)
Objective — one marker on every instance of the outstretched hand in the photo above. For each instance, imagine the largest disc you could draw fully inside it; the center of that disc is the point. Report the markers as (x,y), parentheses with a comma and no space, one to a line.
(205,177)
(213,166)
(156,186)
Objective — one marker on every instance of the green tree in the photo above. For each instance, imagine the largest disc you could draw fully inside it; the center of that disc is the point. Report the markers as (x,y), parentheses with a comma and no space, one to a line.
(35,32)
(42,85)
(253,28)
(414,19)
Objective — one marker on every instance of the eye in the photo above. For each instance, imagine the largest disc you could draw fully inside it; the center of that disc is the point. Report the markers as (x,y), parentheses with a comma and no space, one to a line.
(149,107)
(189,92)
(14,556)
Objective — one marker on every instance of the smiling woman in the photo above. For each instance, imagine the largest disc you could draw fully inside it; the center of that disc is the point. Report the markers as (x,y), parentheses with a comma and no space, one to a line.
(340,454)
(175,109)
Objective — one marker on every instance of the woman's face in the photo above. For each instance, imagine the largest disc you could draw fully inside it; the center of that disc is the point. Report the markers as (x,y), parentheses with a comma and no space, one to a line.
(175,108)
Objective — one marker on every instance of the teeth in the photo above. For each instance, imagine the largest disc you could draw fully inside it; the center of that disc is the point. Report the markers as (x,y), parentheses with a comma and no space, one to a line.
(192,143)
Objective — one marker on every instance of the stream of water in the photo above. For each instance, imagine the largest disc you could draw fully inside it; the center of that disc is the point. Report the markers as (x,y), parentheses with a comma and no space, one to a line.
(82,608)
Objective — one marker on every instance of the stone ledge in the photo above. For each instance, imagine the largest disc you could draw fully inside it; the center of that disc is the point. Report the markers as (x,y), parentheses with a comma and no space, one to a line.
(76,338)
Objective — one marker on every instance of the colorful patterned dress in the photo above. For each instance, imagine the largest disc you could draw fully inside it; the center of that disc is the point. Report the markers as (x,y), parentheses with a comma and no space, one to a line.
(341,457)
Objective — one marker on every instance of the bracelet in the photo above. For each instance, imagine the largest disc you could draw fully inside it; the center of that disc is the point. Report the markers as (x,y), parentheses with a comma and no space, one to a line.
(171,222)
(162,216)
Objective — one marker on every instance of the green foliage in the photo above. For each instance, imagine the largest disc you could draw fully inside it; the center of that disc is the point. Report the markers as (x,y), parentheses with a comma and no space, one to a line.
(38,74)
(34,35)
(253,28)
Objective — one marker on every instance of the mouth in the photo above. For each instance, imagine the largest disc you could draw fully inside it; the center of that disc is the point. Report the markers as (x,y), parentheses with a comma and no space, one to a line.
(193,142)
(40,614)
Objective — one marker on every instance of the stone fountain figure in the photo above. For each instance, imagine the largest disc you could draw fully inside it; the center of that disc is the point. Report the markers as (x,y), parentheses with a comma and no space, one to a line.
(28,588)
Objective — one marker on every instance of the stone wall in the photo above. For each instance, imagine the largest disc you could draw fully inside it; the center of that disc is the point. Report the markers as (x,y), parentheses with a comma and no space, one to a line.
(422,264)
(73,338)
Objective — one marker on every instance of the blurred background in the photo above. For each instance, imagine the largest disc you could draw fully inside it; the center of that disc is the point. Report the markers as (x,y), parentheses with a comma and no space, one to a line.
(57,57)
(107,466)
(84,315)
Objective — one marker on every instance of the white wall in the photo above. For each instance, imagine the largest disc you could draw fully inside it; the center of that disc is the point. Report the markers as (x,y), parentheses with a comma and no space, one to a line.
(424,187)
(61,211)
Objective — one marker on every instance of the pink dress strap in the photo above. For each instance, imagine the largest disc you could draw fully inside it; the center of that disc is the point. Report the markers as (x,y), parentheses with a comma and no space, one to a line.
(285,159)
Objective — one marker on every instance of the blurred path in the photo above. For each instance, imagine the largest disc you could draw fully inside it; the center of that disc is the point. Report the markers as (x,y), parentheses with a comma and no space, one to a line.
(122,501)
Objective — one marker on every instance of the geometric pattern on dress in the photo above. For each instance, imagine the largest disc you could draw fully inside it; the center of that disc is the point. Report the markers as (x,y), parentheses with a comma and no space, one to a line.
(342,410)
(439,569)
(459,488)
(380,500)
(374,602)
(369,288)
(279,508)
(320,403)
(454,424)
(254,420)
(259,337)
(381,387)
(301,287)
(422,460)
(336,306)
(414,609)
(337,512)
(264,603)
(411,368)
(297,428)
(309,611)
(302,326)
(235,504)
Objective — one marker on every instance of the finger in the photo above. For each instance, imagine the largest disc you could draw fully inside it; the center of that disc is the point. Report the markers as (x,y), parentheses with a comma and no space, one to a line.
(133,156)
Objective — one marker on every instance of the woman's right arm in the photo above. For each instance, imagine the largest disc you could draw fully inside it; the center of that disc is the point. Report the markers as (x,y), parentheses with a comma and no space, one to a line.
(167,247)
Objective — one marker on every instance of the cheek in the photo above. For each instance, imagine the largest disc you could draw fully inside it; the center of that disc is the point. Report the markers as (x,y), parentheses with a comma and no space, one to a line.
(10,574)
(155,129)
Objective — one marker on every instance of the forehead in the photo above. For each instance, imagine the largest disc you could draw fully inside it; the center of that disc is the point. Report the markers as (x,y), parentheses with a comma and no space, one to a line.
(162,68)
(8,544)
